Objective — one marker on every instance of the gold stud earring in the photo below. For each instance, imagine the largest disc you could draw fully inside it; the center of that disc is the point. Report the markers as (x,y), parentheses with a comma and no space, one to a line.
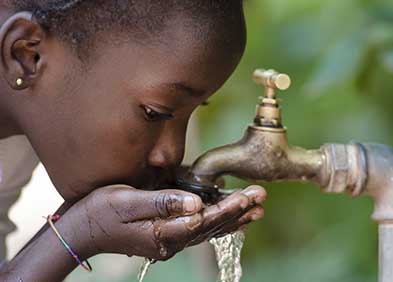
(19,81)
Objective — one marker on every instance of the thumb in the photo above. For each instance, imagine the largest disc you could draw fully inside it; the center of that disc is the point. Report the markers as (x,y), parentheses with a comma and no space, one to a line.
(168,203)
(137,205)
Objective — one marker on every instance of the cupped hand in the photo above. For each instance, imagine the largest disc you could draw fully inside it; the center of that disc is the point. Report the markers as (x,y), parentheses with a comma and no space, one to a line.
(158,224)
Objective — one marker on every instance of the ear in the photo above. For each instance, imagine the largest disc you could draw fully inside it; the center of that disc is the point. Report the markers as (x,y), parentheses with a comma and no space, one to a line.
(21,60)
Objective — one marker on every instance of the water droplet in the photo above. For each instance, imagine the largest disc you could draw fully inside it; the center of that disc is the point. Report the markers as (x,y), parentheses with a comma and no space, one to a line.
(163,251)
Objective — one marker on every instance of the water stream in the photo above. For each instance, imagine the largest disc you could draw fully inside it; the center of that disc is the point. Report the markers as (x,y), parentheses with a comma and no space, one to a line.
(228,252)
(144,269)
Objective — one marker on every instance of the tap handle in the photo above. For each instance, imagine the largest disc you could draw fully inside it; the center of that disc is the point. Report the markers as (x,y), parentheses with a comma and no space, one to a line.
(272,80)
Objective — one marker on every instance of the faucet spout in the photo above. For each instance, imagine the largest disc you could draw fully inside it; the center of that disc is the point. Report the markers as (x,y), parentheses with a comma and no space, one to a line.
(262,154)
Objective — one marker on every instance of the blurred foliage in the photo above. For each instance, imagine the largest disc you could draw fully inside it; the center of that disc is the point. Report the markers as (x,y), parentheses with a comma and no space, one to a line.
(340,57)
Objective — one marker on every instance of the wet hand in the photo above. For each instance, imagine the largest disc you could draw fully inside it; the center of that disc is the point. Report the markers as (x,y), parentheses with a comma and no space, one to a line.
(158,224)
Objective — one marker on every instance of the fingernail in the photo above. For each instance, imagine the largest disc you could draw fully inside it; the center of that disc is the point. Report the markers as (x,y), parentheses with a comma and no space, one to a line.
(256,217)
(244,202)
(260,198)
(190,204)
(257,193)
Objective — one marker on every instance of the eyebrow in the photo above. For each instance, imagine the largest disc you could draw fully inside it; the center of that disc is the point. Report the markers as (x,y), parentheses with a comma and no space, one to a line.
(184,88)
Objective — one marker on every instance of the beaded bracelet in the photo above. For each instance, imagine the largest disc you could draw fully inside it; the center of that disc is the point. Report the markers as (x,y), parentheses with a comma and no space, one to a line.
(51,220)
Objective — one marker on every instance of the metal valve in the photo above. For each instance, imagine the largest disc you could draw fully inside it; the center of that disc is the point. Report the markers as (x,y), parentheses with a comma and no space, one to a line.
(272,80)
(268,113)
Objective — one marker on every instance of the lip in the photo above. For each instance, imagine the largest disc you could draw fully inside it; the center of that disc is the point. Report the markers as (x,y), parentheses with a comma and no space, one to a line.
(159,179)
(156,179)
(208,194)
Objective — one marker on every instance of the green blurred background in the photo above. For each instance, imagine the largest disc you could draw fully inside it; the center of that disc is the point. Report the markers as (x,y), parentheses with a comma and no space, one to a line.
(339,55)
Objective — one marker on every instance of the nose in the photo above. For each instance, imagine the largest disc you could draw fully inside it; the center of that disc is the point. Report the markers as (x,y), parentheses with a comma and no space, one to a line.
(169,149)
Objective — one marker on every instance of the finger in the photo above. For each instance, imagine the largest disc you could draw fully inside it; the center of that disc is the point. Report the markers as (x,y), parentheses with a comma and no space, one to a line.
(254,214)
(233,206)
(162,238)
(134,205)
(142,238)
(175,234)
(256,195)
(187,229)
(168,203)
(242,228)
(200,240)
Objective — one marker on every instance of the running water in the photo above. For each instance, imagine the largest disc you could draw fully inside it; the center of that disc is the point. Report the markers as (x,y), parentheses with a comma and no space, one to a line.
(144,269)
(228,251)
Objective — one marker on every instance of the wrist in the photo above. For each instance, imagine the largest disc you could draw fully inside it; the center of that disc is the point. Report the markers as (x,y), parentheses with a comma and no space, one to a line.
(75,230)
(47,250)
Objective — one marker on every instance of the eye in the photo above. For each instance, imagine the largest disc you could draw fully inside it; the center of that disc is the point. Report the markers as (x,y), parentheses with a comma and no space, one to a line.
(153,115)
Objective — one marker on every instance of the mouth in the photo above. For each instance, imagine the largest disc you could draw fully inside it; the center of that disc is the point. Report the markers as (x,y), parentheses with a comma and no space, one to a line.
(159,179)
(174,179)
(154,179)
(208,194)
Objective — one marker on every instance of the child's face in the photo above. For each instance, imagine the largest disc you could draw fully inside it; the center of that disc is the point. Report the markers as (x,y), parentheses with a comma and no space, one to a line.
(124,120)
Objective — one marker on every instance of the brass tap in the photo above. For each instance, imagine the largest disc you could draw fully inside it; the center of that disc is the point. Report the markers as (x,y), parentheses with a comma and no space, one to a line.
(263,153)
(268,112)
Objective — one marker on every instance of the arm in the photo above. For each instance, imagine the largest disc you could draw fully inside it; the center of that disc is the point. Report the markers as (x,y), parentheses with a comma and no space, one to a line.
(45,259)
(120,219)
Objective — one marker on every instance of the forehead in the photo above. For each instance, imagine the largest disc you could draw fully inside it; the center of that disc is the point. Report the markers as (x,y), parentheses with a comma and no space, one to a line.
(203,58)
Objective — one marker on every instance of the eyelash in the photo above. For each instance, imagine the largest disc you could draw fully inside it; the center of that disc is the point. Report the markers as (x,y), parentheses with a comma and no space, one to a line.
(153,115)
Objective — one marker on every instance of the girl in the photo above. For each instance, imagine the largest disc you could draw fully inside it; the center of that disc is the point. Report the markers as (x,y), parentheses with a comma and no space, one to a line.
(103,90)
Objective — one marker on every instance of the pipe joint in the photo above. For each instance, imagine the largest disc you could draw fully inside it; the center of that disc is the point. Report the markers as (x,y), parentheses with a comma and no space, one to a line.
(345,168)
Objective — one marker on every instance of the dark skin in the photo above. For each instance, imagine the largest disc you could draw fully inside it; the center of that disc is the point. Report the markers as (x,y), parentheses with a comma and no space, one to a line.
(121,119)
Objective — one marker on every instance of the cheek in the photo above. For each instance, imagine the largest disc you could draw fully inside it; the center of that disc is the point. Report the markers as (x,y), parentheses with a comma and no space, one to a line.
(127,141)
(114,146)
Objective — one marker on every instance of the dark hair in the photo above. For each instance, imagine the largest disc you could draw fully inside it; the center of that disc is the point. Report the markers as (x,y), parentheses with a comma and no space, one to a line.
(77,20)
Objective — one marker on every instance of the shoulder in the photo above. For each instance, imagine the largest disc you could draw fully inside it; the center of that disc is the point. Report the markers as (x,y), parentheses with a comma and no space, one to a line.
(17,161)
